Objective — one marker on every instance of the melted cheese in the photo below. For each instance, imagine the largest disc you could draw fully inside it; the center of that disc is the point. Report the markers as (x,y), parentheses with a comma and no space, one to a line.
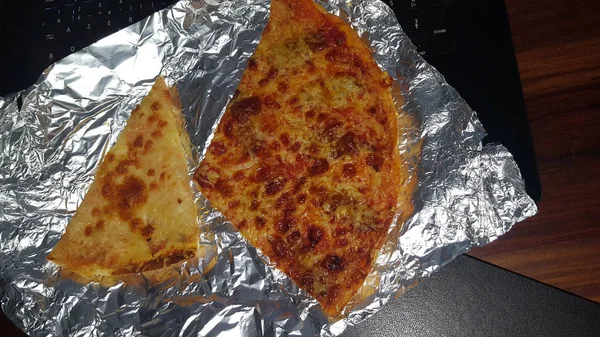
(304,160)
(139,212)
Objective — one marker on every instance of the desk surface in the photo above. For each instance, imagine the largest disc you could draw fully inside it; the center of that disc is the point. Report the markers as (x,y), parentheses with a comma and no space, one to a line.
(558,49)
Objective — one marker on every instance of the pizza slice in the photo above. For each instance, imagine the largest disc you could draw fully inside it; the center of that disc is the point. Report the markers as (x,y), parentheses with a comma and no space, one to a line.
(139,213)
(304,161)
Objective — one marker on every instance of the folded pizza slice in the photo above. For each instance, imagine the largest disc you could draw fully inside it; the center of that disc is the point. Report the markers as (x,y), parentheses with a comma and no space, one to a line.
(139,213)
(304,161)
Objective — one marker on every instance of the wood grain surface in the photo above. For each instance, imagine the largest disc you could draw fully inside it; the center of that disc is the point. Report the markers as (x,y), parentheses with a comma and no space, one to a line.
(558,48)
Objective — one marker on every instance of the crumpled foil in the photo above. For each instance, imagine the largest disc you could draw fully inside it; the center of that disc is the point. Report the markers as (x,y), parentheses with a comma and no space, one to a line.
(467,195)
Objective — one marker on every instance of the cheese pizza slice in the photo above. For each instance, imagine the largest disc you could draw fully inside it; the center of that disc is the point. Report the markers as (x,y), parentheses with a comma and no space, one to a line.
(304,161)
(139,213)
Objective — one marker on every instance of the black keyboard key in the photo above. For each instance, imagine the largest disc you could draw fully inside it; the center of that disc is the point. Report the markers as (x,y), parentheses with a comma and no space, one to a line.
(50,3)
(413,21)
(49,37)
(422,41)
(438,18)
(440,42)
(440,34)
(410,5)
(432,3)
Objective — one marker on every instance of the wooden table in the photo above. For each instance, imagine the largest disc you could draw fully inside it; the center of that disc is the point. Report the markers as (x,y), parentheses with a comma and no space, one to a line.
(558,48)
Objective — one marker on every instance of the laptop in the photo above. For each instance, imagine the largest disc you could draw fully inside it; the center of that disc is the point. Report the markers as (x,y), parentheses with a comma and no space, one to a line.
(468,41)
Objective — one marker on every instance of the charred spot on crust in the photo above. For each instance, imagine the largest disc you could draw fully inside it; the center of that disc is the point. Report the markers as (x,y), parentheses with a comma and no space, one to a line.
(148,146)
(272,74)
(239,175)
(320,193)
(264,174)
(147,230)
(123,165)
(282,87)
(233,204)
(375,160)
(298,184)
(307,281)
(279,247)
(260,222)
(284,224)
(271,102)
(242,109)
(228,128)
(294,237)
(336,37)
(285,139)
(152,118)
(224,188)
(341,242)
(295,147)
(301,198)
(318,166)
(139,141)
(218,148)
(274,187)
(155,106)
(285,201)
(162,123)
(179,200)
(135,224)
(333,263)
(339,55)
(315,234)
(110,157)
(96,212)
(156,134)
(316,42)
(348,170)
(88,230)
(325,38)
(346,145)
(330,129)
(333,293)
(99,224)
(252,65)
(125,197)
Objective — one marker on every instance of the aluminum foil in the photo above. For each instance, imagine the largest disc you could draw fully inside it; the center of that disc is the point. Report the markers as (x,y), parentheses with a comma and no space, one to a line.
(467,195)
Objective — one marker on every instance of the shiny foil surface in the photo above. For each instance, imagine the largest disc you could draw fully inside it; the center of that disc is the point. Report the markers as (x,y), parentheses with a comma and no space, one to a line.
(467,194)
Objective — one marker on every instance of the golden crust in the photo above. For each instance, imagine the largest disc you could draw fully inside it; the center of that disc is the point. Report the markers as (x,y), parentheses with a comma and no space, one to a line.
(139,212)
(304,161)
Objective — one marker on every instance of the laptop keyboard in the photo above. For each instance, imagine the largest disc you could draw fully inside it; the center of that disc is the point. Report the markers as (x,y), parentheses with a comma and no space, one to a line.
(425,22)
(69,25)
